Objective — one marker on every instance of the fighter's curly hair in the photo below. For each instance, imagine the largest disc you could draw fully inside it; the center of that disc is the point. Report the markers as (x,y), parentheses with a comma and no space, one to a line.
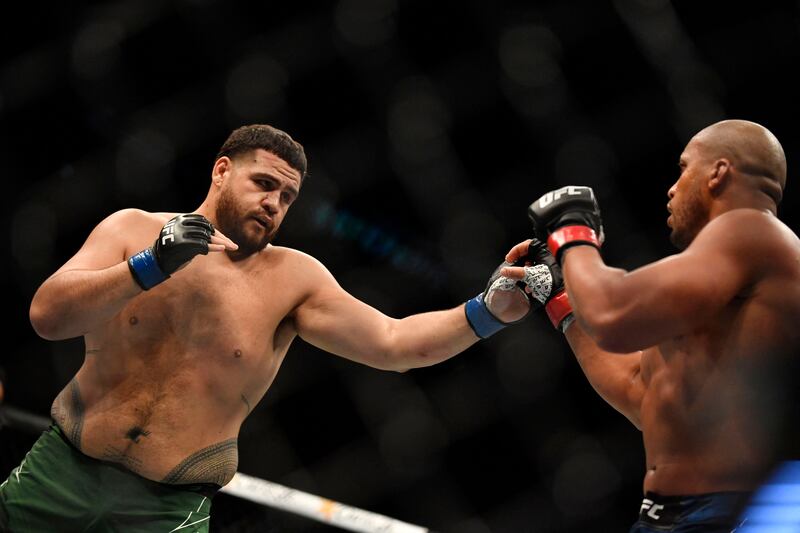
(271,139)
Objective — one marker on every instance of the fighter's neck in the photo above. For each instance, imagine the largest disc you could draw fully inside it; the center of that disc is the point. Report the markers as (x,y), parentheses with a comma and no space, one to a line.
(758,201)
(207,211)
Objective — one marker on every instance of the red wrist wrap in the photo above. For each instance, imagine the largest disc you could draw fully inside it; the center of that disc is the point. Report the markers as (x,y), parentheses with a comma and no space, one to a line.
(571,234)
(558,308)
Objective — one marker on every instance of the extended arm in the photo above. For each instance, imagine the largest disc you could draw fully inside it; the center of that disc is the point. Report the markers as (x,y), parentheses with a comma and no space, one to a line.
(333,320)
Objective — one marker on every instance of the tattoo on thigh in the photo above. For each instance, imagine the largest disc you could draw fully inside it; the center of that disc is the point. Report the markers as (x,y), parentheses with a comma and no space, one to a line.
(68,412)
(214,464)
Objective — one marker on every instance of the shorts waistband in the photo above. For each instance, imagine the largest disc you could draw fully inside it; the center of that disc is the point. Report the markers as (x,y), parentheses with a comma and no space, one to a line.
(658,510)
(204,489)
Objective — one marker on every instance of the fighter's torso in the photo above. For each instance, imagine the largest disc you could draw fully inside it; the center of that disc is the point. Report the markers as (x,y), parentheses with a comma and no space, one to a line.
(703,411)
(167,383)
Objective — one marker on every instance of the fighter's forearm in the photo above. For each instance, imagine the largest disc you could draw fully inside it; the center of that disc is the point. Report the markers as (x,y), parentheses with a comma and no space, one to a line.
(598,294)
(429,338)
(74,302)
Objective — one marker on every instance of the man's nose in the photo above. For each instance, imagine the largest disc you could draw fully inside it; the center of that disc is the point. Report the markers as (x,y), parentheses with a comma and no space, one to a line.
(270,202)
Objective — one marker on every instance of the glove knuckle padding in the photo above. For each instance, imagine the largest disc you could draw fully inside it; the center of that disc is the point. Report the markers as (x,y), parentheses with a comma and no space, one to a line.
(539,254)
(506,298)
(543,276)
(571,205)
(182,238)
(203,225)
(556,301)
(540,282)
(198,235)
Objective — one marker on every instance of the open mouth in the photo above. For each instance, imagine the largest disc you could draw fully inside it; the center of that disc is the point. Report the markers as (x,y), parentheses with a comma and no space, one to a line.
(263,223)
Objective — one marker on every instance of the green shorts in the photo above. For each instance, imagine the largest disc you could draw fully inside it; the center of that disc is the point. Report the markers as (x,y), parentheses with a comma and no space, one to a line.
(57,488)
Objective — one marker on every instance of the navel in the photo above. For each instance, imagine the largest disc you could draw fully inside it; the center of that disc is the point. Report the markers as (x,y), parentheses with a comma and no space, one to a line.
(133,321)
(135,433)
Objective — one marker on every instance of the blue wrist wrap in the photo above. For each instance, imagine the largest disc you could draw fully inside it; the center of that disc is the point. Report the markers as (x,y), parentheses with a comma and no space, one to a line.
(145,269)
(483,323)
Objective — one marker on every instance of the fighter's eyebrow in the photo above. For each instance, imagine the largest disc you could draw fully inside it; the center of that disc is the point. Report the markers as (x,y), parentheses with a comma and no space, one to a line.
(263,175)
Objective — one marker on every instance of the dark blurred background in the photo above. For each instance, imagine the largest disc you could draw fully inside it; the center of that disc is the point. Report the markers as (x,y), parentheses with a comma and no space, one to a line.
(429,126)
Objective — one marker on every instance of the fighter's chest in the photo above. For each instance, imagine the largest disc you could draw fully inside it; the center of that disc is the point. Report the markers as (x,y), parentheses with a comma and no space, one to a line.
(199,308)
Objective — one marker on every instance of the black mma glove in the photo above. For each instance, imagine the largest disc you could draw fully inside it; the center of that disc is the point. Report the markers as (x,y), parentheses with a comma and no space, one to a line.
(503,302)
(567,217)
(182,238)
(547,287)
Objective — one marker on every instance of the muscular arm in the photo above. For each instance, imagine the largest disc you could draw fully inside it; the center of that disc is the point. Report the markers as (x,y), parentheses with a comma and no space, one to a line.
(335,321)
(74,302)
(626,311)
(91,288)
(616,378)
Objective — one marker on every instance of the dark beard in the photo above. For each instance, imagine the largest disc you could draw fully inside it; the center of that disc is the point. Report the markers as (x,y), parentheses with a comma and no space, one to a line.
(687,222)
(679,239)
(231,222)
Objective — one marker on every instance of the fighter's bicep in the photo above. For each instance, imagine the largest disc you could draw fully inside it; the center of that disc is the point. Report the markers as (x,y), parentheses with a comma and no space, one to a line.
(718,266)
(332,319)
(347,327)
(701,280)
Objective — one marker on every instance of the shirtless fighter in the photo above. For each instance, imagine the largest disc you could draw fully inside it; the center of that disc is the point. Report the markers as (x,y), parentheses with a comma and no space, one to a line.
(179,348)
(678,346)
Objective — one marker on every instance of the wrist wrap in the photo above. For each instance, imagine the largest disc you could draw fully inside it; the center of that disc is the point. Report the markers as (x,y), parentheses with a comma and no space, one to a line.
(482,322)
(566,236)
(145,269)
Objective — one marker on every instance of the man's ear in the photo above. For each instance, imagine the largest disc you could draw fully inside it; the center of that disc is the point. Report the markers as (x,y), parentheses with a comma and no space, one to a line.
(221,170)
(719,176)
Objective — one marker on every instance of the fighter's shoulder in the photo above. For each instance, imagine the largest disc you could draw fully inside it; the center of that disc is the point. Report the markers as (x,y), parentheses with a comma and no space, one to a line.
(297,261)
(135,216)
(752,232)
(746,225)
(129,227)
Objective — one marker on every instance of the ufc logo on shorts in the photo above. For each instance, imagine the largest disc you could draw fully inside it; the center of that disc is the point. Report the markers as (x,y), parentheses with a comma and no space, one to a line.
(549,198)
(167,233)
(653,507)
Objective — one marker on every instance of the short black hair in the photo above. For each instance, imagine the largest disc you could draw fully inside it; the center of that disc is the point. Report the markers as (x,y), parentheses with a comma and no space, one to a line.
(273,140)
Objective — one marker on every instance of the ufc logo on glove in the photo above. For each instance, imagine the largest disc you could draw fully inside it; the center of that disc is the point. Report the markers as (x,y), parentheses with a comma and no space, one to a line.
(168,232)
(569,190)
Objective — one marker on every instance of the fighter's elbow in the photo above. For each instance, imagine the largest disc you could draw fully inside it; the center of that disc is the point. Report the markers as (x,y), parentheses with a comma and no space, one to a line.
(402,360)
(389,365)
(45,322)
(608,331)
(397,362)
(614,342)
